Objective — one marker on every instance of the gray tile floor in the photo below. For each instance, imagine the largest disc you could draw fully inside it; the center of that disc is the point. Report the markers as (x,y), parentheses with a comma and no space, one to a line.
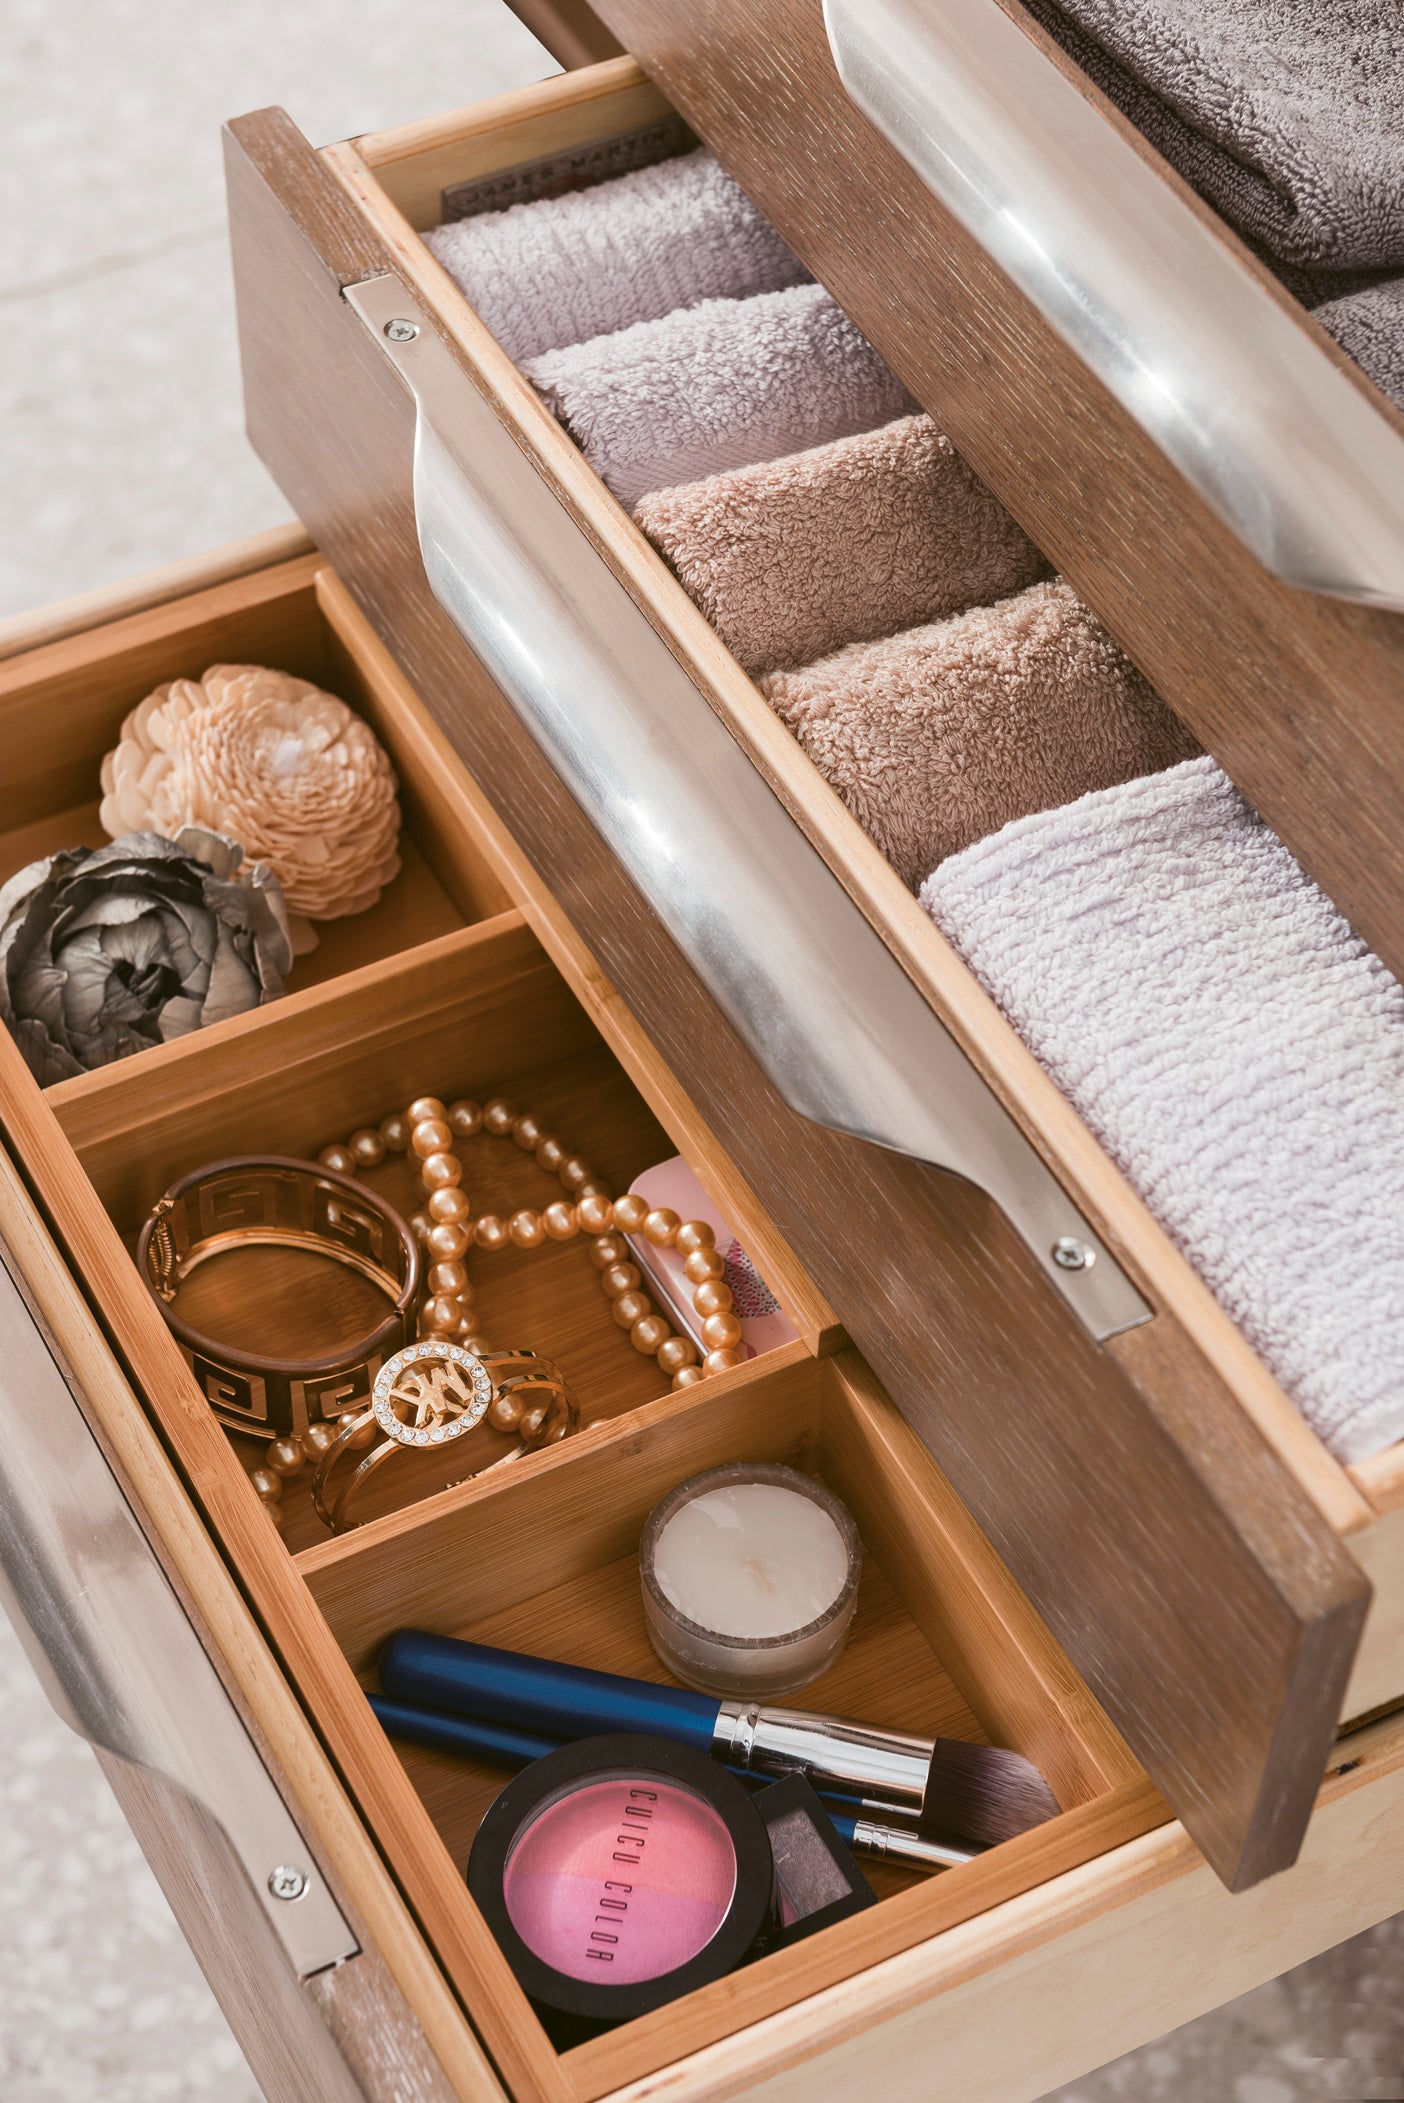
(121,435)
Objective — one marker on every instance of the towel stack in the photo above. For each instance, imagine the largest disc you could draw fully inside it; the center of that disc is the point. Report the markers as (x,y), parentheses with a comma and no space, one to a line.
(899,620)
(1238,1051)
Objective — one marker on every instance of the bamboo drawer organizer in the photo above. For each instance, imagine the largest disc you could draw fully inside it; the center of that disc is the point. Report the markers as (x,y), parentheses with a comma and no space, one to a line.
(1091,1468)
(448,981)
(1023,1968)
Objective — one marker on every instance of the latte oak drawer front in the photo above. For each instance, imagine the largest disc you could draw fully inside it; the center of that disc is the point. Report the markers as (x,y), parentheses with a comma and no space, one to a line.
(1008,1974)
(1182,439)
(1190,1541)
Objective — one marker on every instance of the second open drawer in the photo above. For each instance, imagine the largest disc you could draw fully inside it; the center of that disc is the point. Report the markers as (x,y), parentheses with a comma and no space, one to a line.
(1002,1977)
(446,986)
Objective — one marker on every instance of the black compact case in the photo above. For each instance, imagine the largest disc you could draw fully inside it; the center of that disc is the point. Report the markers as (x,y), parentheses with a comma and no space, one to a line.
(604,1879)
(817,1881)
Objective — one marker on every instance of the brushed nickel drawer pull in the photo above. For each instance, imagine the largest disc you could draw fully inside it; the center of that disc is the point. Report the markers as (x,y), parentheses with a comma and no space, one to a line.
(114,1648)
(1245,400)
(805,981)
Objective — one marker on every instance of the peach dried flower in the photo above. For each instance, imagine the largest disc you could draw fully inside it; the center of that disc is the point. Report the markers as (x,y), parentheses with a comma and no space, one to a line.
(290,772)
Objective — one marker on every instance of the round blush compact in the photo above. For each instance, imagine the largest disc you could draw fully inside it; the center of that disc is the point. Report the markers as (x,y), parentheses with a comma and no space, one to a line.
(618,1873)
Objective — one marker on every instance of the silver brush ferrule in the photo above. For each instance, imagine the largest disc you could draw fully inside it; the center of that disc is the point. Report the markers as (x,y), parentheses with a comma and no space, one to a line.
(830,1752)
(913,1850)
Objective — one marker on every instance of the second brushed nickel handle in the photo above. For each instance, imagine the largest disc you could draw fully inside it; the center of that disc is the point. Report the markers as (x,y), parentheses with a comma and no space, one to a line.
(805,981)
(1250,407)
(114,1648)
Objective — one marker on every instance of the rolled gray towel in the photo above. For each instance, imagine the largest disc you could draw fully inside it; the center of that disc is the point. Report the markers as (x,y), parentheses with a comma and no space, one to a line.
(1237,1050)
(564,269)
(1287,115)
(724,384)
(1369,326)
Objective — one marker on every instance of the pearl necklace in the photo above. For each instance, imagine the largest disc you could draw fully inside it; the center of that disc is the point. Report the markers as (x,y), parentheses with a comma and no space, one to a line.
(447,1230)
(428,1130)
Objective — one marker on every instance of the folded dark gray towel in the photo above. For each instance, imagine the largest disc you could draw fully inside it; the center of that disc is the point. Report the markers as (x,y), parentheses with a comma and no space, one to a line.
(1287,115)
(724,384)
(1369,327)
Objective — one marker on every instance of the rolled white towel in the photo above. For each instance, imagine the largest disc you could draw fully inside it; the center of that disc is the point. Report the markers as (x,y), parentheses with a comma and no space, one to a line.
(563,269)
(724,384)
(1235,1047)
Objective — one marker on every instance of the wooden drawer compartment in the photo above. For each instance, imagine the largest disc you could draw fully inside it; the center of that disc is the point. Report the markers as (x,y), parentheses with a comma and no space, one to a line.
(992,1976)
(541,1555)
(549,1563)
(1069,1448)
(61,709)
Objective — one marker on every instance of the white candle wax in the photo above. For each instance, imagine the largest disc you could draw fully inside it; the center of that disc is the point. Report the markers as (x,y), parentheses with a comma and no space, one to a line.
(750,1576)
(753,1559)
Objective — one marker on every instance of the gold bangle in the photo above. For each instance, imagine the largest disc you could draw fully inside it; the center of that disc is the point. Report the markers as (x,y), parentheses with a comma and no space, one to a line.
(436,1391)
(272,1199)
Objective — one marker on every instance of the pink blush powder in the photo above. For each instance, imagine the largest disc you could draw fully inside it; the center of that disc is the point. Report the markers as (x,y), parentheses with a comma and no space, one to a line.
(621,1880)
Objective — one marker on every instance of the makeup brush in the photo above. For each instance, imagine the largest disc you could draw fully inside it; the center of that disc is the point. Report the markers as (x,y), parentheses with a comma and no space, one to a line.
(976,1793)
(500,1745)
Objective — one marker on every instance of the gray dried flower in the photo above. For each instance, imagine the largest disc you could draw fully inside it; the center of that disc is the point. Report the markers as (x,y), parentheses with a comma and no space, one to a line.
(104,951)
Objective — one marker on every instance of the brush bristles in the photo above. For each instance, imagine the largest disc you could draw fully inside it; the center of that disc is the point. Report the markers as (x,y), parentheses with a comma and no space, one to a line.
(984,1793)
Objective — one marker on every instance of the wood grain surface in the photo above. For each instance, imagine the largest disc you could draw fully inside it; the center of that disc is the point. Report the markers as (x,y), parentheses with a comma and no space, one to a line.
(1297,695)
(108,602)
(571,31)
(1195,1585)
(340,2038)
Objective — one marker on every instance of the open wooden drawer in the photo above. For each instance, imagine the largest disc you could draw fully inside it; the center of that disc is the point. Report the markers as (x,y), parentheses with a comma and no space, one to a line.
(1190,1542)
(1001,1978)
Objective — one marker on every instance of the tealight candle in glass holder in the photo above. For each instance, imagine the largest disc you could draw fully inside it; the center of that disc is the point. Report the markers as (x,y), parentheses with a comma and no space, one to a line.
(750,1578)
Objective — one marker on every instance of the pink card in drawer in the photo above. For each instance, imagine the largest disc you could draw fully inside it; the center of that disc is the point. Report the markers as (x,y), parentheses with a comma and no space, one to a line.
(764,1325)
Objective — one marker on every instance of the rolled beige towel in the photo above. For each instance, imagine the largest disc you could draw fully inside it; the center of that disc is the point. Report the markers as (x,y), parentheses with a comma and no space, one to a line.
(716,386)
(941,735)
(851,540)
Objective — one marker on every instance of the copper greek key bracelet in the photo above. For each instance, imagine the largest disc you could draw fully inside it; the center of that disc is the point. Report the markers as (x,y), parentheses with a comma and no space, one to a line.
(272,1200)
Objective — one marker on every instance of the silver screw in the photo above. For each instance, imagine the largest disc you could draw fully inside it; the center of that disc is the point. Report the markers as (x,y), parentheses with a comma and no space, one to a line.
(1070,1254)
(287,1881)
(402,331)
